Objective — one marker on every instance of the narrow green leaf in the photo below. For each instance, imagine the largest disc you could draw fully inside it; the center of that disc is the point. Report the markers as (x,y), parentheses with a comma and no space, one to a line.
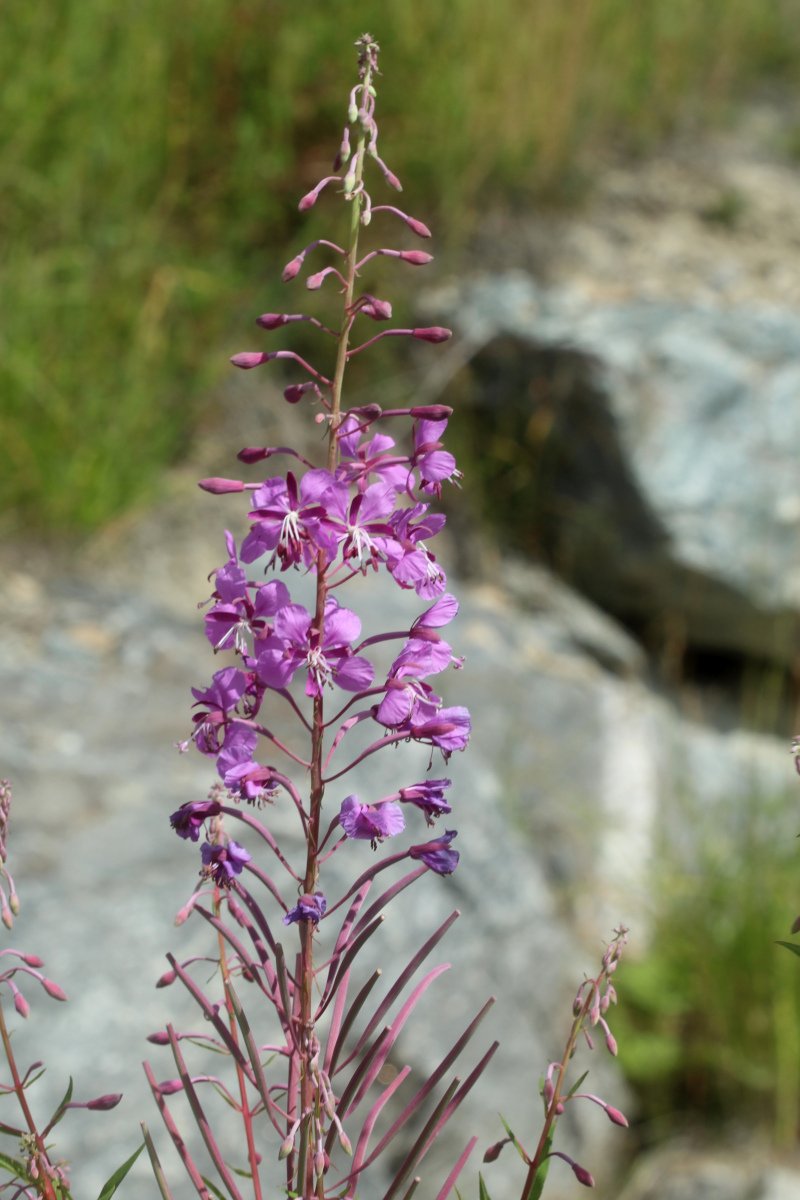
(516,1144)
(483,1191)
(212,1187)
(112,1183)
(155,1162)
(537,1187)
(12,1165)
(576,1085)
(61,1108)
(793,946)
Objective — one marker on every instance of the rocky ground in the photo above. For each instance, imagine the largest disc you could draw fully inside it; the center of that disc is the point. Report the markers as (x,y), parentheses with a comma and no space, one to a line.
(98,647)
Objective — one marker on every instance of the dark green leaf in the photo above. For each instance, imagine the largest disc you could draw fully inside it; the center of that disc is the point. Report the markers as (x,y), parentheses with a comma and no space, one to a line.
(514,1141)
(483,1192)
(112,1183)
(536,1188)
(62,1107)
(576,1085)
(12,1165)
(793,946)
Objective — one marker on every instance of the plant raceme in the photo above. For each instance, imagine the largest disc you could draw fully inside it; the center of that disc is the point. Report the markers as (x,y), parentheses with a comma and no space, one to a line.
(318,1093)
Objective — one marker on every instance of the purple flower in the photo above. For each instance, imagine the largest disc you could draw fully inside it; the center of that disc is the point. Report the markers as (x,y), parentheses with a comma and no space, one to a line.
(434,463)
(187,820)
(408,559)
(308,908)
(215,702)
(288,520)
(370,821)
(437,855)
(428,797)
(356,523)
(369,458)
(221,863)
(328,659)
(449,730)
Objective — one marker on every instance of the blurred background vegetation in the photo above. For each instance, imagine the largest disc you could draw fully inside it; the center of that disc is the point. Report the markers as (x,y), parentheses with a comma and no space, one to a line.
(151,156)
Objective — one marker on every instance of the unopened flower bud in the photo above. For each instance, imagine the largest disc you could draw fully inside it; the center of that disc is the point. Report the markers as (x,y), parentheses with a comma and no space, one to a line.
(166,979)
(21,1005)
(417,258)
(249,359)
(104,1103)
(291,268)
(493,1153)
(169,1087)
(316,281)
(349,182)
(611,1043)
(32,960)
(378,310)
(352,114)
(53,989)
(345,1143)
(160,1038)
(320,1163)
(434,333)
(6,916)
(13,903)
(582,1175)
(295,391)
(220,487)
(272,320)
(616,1116)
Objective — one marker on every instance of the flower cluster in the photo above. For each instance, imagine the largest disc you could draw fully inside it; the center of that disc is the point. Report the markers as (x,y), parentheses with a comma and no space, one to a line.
(368,507)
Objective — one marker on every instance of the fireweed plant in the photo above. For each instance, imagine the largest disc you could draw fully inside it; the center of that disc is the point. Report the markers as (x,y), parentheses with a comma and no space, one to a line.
(32,1168)
(318,1098)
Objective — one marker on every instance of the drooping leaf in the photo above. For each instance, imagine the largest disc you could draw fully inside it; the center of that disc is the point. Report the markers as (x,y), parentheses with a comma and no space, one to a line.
(513,1139)
(576,1085)
(112,1183)
(60,1109)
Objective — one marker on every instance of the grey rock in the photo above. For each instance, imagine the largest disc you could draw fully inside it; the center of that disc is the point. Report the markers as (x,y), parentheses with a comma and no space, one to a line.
(674,497)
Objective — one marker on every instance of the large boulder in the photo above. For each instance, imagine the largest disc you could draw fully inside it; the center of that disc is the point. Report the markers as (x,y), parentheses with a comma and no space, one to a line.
(660,440)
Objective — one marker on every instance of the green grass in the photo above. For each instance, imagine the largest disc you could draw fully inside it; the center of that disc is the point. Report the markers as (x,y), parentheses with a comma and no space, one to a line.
(151,155)
(708,1023)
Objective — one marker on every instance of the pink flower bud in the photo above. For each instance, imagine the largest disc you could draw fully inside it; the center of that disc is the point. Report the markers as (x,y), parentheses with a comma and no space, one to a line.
(169,1087)
(319,1163)
(272,320)
(21,1005)
(287,1145)
(53,989)
(582,1175)
(417,258)
(616,1116)
(431,412)
(611,1043)
(6,916)
(418,227)
(493,1153)
(104,1103)
(219,486)
(160,1038)
(316,281)
(249,359)
(291,268)
(434,333)
(295,391)
(253,454)
(378,310)
(32,960)
(345,1143)
(166,979)
(13,903)
(310,199)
